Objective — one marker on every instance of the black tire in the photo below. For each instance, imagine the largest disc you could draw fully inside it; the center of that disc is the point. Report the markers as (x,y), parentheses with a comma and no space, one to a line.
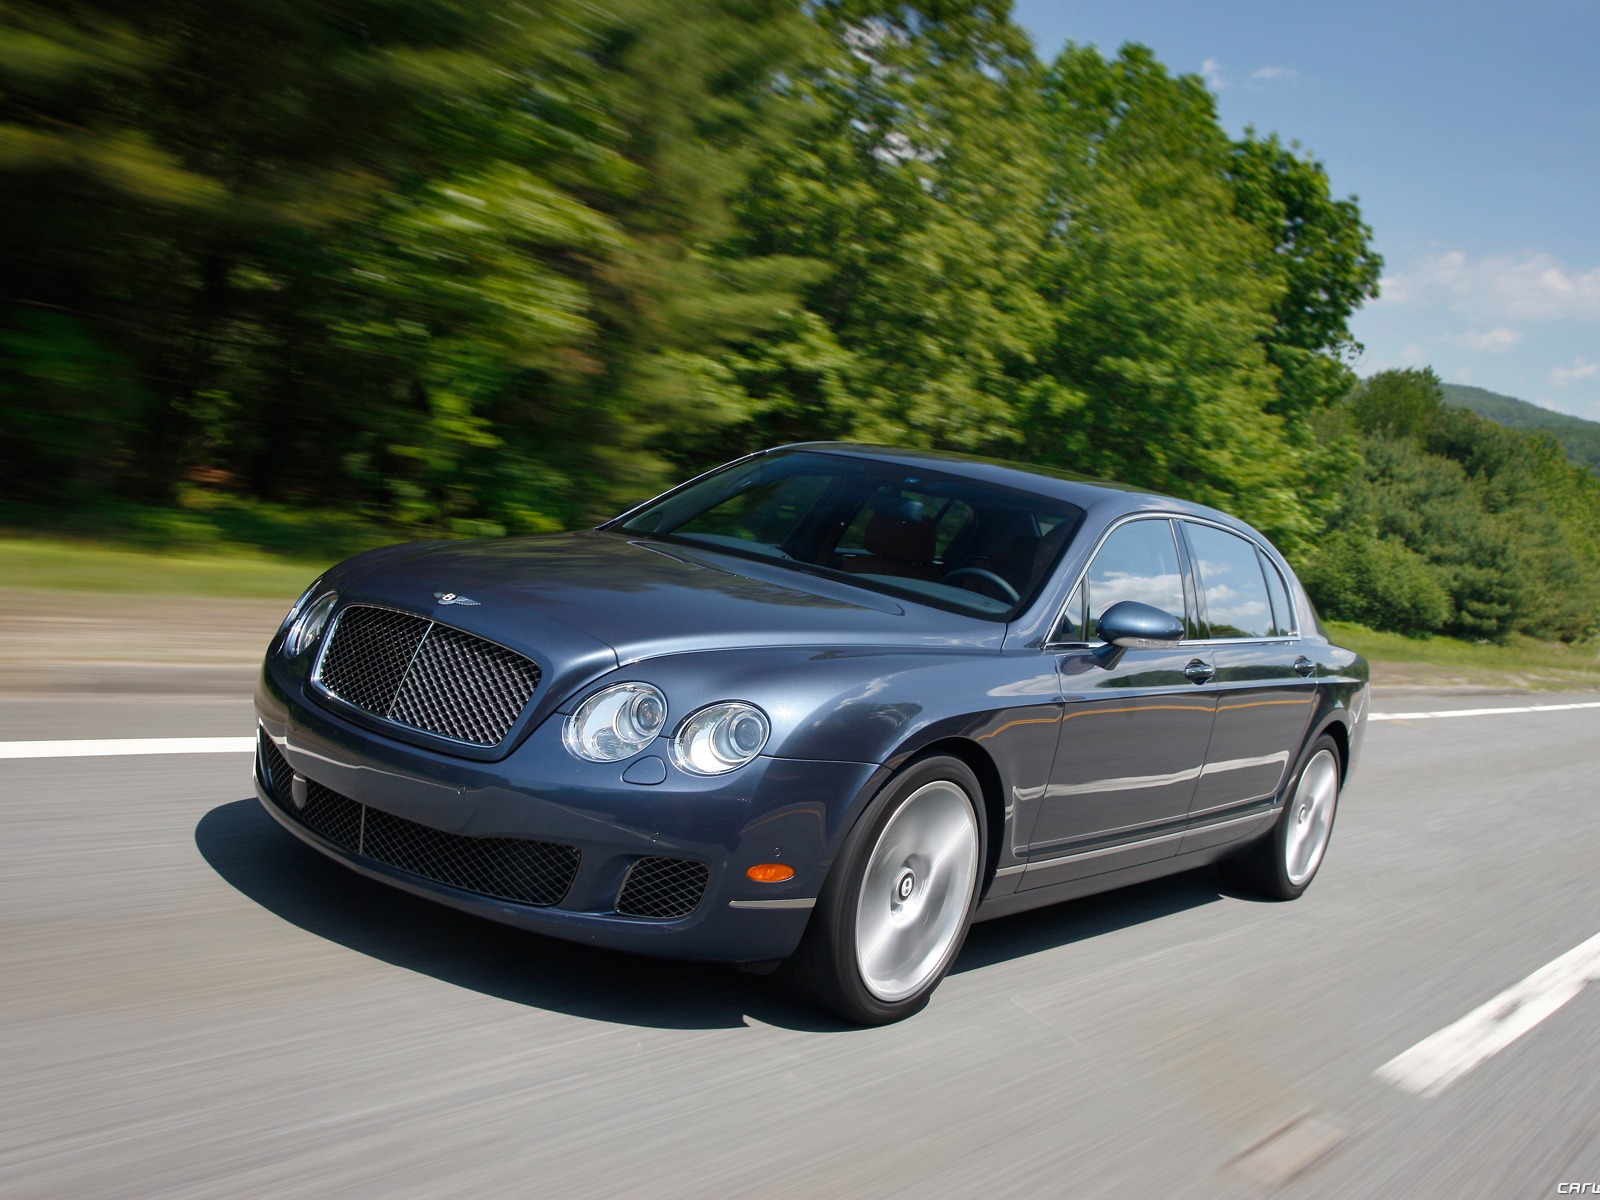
(1282,865)
(917,905)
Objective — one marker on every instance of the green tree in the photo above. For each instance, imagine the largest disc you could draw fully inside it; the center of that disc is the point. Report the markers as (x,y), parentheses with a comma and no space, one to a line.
(1321,250)
(1155,369)
(912,171)
(1497,520)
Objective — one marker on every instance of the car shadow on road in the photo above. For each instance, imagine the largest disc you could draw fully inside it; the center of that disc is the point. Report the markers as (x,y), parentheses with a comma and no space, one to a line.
(1079,920)
(289,879)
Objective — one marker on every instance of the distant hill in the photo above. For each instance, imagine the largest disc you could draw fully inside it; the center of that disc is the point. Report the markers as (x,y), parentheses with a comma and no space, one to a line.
(1579,438)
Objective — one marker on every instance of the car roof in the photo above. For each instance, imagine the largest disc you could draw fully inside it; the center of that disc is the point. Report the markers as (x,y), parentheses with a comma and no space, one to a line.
(1085,491)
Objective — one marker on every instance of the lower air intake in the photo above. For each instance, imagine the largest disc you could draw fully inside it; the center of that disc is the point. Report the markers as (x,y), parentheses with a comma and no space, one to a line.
(517,869)
(663,888)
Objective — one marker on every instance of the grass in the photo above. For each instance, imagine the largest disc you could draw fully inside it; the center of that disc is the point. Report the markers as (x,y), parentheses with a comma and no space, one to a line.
(203,522)
(62,564)
(207,544)
(1523,662)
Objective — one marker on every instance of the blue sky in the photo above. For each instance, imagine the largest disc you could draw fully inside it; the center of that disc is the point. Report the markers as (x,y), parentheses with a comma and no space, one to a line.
(1469,131)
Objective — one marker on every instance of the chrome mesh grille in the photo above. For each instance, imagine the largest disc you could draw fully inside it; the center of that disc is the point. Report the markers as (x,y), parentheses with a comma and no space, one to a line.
(663,888)
(335,817)
(428,676)
(273,769)
(519,869)
(368,654)
(510,868)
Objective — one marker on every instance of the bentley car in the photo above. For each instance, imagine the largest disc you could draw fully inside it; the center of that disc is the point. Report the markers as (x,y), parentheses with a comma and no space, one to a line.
(822,709)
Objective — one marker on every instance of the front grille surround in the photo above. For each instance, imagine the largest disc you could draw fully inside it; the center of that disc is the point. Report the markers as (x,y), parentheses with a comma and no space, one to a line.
(423,675)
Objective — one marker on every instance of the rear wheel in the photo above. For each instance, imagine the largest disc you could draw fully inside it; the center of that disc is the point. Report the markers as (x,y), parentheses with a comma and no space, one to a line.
(896,906)
(1282,865)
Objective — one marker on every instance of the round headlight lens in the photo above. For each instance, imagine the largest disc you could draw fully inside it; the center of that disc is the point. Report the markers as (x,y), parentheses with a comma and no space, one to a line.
(308,626)
(299,605)
(719,738)
(616,722)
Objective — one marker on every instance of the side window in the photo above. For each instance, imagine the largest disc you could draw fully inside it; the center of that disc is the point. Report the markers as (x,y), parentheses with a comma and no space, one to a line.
(1071,626)
(1138,562)
(1236,603)
(1282,615)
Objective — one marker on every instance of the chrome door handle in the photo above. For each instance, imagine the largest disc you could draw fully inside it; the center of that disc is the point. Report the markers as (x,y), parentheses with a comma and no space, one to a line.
(1199,672)
(1304,667)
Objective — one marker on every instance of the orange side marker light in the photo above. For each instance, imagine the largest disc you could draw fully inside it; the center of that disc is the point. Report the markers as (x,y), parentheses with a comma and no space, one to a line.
(770,872)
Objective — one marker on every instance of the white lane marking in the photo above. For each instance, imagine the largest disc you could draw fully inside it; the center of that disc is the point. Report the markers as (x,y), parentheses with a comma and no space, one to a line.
(1478,712)
(1436,1062)
(108,746)
(98,748)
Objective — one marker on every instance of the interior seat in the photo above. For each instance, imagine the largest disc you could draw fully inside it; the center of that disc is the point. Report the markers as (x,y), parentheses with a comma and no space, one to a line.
(895,547)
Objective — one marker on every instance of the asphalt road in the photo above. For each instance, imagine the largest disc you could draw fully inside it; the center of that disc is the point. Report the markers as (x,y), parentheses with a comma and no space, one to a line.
(192,1004)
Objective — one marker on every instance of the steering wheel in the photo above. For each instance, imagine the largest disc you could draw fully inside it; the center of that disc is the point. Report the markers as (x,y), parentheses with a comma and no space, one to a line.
(1007,592)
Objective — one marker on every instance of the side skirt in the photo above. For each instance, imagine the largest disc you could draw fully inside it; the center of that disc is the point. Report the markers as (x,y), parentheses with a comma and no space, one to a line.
(1110,881)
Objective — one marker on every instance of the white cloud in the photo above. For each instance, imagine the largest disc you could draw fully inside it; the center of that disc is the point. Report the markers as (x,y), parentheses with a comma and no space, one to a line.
(1580,369)
(1531,286)
(1275,75)
(1215,79)
(1490,341)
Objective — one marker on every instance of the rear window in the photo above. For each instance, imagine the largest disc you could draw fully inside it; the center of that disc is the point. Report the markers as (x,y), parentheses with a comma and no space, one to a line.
(1235,599)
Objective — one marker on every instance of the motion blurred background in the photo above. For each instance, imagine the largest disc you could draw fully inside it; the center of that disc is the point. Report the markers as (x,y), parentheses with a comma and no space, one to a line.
(282,279)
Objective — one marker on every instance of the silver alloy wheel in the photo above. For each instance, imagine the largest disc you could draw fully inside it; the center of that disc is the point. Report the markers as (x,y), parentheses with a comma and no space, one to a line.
(1310,817)
(912,906)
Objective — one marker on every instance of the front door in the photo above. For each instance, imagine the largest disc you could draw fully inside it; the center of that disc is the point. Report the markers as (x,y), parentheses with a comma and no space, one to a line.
(1133,738)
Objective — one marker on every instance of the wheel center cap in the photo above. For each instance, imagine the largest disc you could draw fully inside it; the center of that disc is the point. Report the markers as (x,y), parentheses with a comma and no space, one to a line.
(907,885)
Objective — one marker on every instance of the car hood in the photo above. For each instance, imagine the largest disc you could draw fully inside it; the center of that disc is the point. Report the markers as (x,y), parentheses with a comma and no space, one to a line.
(557,596)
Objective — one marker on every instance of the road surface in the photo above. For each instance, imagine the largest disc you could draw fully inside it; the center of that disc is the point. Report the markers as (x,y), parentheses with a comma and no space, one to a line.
(193,1004)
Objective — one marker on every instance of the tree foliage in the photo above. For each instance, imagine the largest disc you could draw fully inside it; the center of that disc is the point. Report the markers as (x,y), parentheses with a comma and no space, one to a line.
(503,265)
(1449,504)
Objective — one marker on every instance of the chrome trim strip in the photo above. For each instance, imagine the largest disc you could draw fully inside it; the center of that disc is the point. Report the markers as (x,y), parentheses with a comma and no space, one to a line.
(1004,871)
(807,902)
(1128,519)
(1101,851)
(1255,816)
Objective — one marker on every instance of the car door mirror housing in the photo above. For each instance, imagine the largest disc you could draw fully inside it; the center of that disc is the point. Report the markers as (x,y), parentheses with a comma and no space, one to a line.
(1130,625)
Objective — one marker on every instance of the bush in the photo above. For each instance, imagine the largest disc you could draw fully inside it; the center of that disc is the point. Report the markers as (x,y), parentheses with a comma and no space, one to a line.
(1376,582)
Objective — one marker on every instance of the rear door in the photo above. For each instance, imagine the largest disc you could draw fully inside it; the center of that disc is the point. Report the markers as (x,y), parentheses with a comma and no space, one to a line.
(1265,687)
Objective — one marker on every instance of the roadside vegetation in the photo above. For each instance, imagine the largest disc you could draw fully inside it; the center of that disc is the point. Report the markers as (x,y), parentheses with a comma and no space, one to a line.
(1521,662)
(75,564)
(305,278)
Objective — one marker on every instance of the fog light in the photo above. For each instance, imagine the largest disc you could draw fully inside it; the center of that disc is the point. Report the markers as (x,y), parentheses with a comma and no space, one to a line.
(770,872)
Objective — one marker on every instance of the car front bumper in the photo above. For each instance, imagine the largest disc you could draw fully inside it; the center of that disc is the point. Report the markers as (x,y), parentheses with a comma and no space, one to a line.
(466,833)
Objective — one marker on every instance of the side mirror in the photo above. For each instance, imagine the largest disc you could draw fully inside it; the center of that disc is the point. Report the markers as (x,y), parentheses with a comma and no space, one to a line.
(1129,625)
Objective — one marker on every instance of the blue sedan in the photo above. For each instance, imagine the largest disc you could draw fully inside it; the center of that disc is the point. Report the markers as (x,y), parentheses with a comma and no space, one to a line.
(823,707)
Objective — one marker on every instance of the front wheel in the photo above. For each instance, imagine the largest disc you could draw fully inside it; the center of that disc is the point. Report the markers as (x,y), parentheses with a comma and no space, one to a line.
(1282,865)
(897,904)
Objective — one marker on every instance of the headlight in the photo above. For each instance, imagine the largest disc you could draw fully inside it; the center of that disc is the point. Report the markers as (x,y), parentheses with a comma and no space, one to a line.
(299,604)
(616,722)
(308,626)
(719,738)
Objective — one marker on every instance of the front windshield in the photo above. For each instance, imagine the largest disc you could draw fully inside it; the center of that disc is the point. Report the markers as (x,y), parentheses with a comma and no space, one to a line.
(904,531)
